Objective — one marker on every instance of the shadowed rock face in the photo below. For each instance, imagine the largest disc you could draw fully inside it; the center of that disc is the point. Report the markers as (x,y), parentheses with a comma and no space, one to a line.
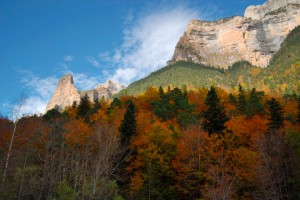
(254,38)
(66,93)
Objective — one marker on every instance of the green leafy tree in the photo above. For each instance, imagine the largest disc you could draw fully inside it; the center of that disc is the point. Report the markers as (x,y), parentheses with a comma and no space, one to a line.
(276,115)
(153,164)
(298,110)
(174,105)
(255,105)
(115,103)
(128,125)
(50,114)
(63,192)
(232,99)
(214,118)
(96,106)
(241,101)
(161,91)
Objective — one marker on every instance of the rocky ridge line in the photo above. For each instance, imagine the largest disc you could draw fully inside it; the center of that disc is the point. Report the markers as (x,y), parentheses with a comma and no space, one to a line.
(254,37)
(66,93)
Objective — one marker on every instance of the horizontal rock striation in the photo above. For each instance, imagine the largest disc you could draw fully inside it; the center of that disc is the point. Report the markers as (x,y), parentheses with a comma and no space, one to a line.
(254,37)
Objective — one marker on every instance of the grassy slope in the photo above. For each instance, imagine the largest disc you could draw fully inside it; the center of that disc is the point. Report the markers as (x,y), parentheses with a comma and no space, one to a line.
(282,75)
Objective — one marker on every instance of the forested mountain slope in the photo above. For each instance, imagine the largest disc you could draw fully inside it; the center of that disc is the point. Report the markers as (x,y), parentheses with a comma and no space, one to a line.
(281,76)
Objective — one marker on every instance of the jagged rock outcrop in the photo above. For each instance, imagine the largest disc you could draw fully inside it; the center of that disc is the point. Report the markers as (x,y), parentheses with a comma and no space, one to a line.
(110,85)
(66,93)
(259,12)
(254,37)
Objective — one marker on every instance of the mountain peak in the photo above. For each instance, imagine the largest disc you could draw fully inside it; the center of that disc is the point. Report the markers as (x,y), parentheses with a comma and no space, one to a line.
(113,86)
(67,78)
(66,93)
(254,38)
(258,12)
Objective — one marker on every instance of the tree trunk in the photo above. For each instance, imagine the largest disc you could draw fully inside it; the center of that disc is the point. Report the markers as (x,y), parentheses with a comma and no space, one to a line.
(9,152)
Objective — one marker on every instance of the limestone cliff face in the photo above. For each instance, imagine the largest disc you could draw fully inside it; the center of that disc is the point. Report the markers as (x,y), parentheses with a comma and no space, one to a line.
(110,85)
(66,93)
(254,37)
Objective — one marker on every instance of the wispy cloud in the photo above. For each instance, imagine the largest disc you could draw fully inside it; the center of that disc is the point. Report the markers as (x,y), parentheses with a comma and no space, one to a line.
(84,81)
(42,88)
(93,61)
(40,91)
(68,58)
(149,41)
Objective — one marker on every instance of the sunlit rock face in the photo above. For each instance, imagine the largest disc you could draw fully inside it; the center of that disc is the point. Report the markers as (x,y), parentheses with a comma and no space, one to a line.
(66,93)
(254,37)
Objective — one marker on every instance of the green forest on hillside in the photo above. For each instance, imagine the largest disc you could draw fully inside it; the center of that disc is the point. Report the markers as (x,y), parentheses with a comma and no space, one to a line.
(282,76)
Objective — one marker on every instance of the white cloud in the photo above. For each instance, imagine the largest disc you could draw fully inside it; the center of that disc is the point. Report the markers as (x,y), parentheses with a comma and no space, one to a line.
(42,86)
(85,82)
(40,91)
(93,61)
(149,42)
(105,56)
(68,58)
(34,105)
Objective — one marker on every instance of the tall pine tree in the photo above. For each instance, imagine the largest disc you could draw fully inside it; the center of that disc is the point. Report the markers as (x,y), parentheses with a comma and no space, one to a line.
(232,99)
(276,118)
(83,109)
(255,105)
(241,101)
(128,125)
(214,118)
(115,103)
(298,110)
(161,92)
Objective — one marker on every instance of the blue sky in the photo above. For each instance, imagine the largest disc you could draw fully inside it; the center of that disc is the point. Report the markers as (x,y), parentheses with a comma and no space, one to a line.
(95,40)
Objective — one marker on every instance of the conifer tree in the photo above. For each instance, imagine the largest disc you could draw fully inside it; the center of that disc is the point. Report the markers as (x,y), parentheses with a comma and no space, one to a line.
(161,92)
(96,105)
(83,109)
(241,102)
(74,105)
(214,118)
(115,103)
(232,99)
(276,118)
(254,105)
(298,110)
(128,125)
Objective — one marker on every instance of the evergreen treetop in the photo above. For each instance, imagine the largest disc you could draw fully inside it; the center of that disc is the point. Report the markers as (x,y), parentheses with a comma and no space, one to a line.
(241,101)
(128,125)
(276,115)
(214,118)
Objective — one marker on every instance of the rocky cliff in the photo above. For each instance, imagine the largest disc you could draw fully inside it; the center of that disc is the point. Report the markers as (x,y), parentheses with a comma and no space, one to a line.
(254,37)
(66,93)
